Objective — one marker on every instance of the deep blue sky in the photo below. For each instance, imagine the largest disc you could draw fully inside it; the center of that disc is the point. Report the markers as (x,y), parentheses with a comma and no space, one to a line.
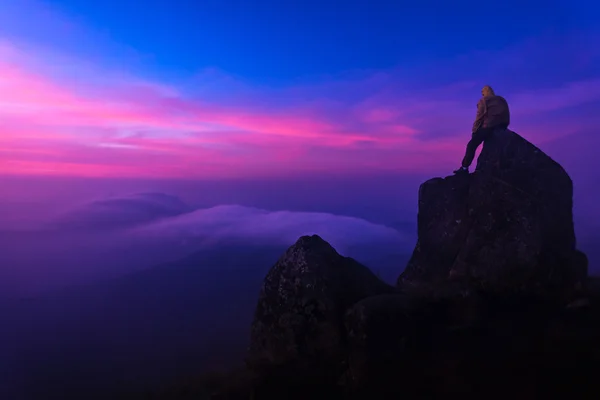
(271,40)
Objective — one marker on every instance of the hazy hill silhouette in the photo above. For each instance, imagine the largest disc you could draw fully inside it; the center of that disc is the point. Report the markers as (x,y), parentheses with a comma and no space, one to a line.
(139,331)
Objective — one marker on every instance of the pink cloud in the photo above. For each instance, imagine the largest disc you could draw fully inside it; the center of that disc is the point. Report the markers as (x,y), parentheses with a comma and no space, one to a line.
(142,124)
(121,125)
(380,114)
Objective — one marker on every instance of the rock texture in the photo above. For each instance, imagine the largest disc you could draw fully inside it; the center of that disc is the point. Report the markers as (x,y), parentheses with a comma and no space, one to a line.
(325,326)
(494,303)
(507,226)
(299,316)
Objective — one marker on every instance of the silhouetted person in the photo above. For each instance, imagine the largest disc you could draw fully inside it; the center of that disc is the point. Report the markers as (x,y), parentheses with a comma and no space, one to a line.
(492,113)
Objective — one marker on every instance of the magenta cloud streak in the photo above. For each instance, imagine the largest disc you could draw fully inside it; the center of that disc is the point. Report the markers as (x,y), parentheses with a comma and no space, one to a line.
(81,120)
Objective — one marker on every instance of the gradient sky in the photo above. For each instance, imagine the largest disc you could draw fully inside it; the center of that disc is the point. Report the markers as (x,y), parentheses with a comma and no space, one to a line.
(272,119)
(231,88)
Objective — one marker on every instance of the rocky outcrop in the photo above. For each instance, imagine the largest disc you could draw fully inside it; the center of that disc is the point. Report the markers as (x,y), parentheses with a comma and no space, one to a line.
(507,226)
(325,326)
(299,317)
(493,303)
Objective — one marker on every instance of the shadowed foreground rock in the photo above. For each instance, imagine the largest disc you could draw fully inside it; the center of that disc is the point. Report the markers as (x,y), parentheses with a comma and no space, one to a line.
(495,302)
(480,346)
(299,317)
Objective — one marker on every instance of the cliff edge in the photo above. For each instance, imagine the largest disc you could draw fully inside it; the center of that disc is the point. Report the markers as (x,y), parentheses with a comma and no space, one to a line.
(494,303)
(508,226)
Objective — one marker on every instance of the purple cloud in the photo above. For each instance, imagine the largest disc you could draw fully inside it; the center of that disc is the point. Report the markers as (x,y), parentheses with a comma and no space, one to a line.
(226,223)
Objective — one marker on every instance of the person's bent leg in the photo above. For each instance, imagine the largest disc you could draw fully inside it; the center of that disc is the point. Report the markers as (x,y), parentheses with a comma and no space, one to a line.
(472,146)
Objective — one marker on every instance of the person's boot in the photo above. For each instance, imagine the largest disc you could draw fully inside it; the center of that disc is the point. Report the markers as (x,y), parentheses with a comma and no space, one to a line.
(462,170)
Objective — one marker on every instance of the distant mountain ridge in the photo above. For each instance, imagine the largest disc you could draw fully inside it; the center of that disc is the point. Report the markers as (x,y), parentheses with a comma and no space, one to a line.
(121,211)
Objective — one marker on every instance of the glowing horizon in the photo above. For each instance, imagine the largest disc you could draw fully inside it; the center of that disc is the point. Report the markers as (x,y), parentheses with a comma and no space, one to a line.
(66,115)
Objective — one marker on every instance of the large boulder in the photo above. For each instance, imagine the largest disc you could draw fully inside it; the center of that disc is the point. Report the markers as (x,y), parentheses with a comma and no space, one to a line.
(299,316)
(506,226)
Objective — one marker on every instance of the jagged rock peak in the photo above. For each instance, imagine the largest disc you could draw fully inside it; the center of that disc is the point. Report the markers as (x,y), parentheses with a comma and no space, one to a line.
(307,247)
(312,242)
(298,318)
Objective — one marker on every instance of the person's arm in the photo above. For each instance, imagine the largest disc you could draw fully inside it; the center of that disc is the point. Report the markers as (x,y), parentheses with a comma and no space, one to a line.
(479,116)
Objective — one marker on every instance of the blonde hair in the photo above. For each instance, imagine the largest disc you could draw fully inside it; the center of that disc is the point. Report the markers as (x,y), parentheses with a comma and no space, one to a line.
(489,90)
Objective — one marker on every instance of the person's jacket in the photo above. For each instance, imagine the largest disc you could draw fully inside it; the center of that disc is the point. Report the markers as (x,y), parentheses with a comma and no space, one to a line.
(492,111)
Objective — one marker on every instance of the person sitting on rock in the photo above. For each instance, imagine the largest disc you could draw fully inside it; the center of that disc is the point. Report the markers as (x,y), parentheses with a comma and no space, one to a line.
(492,113)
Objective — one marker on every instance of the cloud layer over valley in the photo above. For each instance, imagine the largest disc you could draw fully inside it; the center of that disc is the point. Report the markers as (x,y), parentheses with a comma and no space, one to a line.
(115,236)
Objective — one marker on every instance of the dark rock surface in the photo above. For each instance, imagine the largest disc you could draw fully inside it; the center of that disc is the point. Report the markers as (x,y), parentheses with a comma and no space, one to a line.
(495,302)
(484,346)
(299,316)
(507,226)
